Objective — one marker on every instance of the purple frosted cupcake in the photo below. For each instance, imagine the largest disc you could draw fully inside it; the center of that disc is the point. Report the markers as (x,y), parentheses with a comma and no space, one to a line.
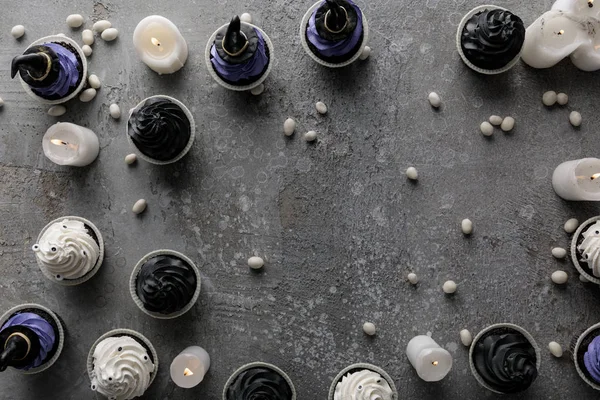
(586,355)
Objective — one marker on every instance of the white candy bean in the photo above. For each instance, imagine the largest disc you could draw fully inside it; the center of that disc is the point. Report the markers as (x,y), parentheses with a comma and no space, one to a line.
(559,277)
(555,349)
(289,126)
(412,173)
(496,120)
(101,26)
(310,136)
(508,124)
(413,278)
(139,206)
(115,111)
(17,31)
(571,225)
(94,81)
(559,252)
(256,262)
(369,328)
(75,20)
(562,99)
(257,91)
(466,338)
(87,50)
(130,159)
(57,111)
(549,98)
(365,53)
(486,128)
(109,34)
(321,107)
(88,37)
(575,119)
(434,100)
(466,226)
(87,95)
(449,287)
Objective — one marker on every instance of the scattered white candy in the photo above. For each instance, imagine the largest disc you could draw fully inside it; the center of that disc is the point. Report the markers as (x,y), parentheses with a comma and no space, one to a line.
(449,287)
(94,81)
(17,31)
(559,252)
(508,124)
(486,128)
(466,226)
(434,100)
(583,279)
(310,136)
(256,262)
(496,120)
(257,91)
(412,173)
(130,159)
(562,99)
(139,206)
(88,37)
(61,34)
(101,26)
(246,17)
(75,20)
(549,98)
(466,338)
(575,119)
(365,53)
(87,50)
(555,349)
(369,328)
(87,95)
(115,111)
(571,225)
(289,126)
(57,111)
(321,107)
(109,35)
(413,278)
(559,277)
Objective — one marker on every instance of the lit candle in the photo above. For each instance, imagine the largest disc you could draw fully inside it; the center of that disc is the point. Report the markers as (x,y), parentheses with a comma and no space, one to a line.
(190,366)
(69,144)
(160,45)
(578,180)
(431,361)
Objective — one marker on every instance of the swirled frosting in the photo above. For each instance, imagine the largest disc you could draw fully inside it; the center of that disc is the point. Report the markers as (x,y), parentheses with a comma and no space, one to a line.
(259,383)
(122,368)
(160,129)
(165,284)
(590,248)
(591,359)
(492,38)
(67,250)
(506,362)
(363,385)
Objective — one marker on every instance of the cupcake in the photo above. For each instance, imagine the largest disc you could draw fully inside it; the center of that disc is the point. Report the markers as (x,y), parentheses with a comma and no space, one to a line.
(504,358)
(69,250)
(52,69)
(490,39)
(585,249)
(31,338)
(259,381)
(165,284)
(239,55)
(586,355)
(122,364)
(362,382)
(334,32)
(162,129)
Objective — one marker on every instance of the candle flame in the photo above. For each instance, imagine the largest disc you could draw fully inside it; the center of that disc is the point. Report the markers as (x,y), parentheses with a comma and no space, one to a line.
(561,32)
(595,176)
(435,363)
(59,142)
(155,41)
(187,372)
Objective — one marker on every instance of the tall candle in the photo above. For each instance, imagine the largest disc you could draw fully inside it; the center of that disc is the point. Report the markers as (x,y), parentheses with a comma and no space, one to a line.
(69,144)
(578,180)
(160,45)
(190,366)
(427,357)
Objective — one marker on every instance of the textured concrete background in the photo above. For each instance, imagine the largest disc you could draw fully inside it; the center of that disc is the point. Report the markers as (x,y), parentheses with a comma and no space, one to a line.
(337,222)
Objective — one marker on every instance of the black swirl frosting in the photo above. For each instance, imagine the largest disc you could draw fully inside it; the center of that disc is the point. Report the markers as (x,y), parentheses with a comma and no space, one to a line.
(259,384)
(160,129)
(165,284)
(506,362)
(492,38)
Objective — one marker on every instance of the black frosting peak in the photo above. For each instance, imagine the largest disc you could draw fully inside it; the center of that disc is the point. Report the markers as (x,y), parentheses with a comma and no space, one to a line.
(33,65)
(235,36)
(259,383)
(492,38)
(336,20)
(165,284)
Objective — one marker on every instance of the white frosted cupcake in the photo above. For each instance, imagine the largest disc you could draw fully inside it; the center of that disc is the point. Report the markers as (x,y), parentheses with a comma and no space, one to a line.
(69,250)
(363,382)
(585,250)
(122,364)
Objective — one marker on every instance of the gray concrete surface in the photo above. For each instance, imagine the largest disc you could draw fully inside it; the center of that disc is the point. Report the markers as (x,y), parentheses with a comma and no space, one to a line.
(337,222)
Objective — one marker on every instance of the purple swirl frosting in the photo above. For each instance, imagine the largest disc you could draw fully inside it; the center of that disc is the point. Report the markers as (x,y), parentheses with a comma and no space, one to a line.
(248,70)
(41,328)
(68,74)
(591,359)
(334,48)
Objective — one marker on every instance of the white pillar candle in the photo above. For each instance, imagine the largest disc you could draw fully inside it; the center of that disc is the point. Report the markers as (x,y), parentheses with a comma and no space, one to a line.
(190,366)
(69,144)
(431,361)
(578,180)
(160,45)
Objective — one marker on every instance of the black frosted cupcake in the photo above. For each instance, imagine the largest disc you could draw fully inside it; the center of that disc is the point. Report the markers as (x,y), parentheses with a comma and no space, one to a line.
(165,284)
(490,39)
(162,129)
(259,381)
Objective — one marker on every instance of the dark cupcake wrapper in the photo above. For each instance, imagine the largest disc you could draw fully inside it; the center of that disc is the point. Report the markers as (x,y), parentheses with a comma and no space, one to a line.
(357,368)
(258,364)
(582,267)
(579,349)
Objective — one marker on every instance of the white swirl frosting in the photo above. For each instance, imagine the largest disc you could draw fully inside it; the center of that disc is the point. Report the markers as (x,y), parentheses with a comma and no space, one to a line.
(363,385)
(67,250)
(590,248)
(122,368)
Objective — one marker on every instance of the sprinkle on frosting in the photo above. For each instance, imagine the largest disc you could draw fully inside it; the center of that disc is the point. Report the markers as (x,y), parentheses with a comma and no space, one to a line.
(363,385)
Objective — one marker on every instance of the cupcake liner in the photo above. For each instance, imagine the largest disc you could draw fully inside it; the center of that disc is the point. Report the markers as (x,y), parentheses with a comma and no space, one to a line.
(258,364)
(74,282)
(59,325)
(71,42)
(538,354)
(136,271)
(362,366)
(304,40)
(461,26)
(575,254)
(239,88)
(580,344)
(187,113)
